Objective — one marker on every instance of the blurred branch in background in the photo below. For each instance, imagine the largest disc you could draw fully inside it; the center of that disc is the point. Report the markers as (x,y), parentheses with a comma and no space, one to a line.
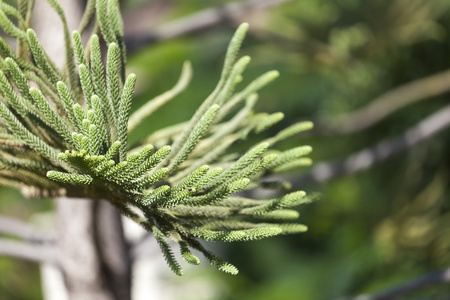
(18,228)
(387,103)
(37,247)
(367,157)
(197,22)
(28,251)
(424,281)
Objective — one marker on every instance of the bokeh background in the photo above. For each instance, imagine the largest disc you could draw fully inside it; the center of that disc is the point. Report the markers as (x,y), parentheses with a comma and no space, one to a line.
(371,230)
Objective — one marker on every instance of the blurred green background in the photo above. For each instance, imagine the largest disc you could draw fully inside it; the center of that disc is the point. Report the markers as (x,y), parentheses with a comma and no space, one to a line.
(370,230)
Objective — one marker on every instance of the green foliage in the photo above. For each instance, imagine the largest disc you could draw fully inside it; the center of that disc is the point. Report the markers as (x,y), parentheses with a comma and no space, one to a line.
(183,191)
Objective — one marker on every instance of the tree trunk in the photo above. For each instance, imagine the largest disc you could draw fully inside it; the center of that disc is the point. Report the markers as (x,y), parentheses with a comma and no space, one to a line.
(92,251)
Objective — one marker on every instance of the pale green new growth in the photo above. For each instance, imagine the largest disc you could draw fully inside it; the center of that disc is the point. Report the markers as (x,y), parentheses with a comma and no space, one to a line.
(63,128)
(236,235)
(78,49)
(69,178)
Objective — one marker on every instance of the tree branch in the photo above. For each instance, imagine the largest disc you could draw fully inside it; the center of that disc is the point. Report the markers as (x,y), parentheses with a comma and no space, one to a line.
(18,228)
(387,103)
(413,285)
(368,157)
(199,21)
(28,251)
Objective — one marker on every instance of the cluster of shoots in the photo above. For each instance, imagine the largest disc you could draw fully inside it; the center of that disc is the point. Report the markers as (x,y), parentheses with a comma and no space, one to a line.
(64,131)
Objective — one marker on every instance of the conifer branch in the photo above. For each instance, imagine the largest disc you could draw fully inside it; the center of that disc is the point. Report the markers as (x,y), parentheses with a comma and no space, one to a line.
(25,136)
(8,93)
(87,16)
(77,45)
(182,187)
(7,52)
(41,58)
(167,252)
(69,63)
(124,112)
(60,126)
(104,21)
(217,262)
(19,78)
(194,137)
(187,255)
(25,9)
(230,56)
(8,25)
(86,84)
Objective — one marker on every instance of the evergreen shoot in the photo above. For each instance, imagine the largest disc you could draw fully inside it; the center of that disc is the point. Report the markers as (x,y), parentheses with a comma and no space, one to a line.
(64,131)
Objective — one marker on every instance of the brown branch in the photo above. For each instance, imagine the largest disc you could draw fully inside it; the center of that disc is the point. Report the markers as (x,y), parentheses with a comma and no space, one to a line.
(18,228)
(370,156)
(388,103)
(28,251)
(411,286)
(199,21)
